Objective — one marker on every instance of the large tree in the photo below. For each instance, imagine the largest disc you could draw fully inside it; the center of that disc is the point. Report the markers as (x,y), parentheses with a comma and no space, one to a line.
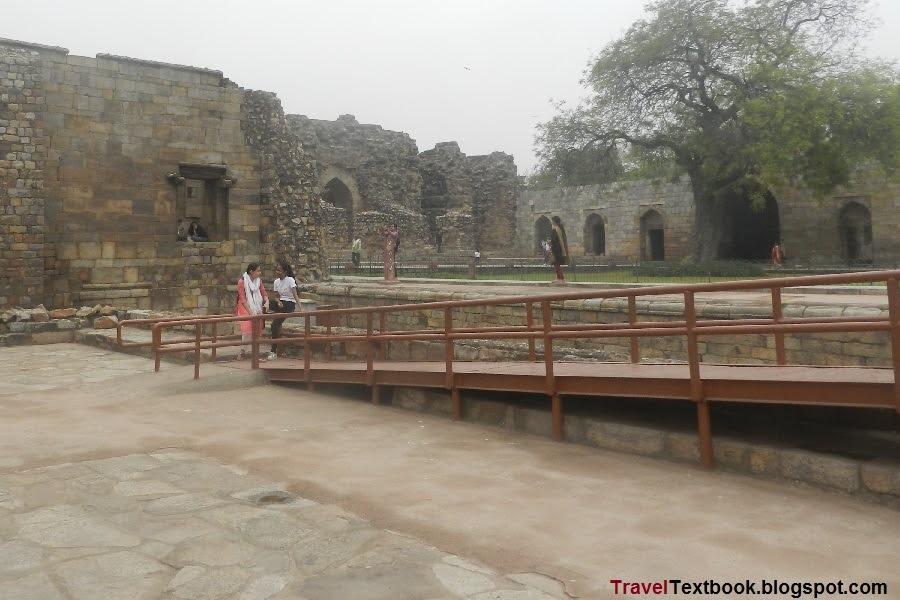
(739,94)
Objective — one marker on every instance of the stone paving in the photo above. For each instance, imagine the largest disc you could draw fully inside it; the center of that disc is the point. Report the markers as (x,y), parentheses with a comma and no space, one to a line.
(176,525)
(118,482)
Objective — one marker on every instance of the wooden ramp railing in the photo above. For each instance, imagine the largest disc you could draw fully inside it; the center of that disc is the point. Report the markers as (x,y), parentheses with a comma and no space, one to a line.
(700,382)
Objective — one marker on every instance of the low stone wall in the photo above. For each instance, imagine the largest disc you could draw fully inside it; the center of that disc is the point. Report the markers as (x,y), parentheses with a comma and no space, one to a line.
(872,477)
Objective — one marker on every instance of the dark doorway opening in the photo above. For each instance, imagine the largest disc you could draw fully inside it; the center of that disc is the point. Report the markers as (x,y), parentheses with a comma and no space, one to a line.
(653,239)
(542,228)
(856,234)
(751,225)
(594,235)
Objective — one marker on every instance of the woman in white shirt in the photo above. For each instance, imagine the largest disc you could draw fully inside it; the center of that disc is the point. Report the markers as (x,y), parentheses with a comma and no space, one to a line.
(286,301)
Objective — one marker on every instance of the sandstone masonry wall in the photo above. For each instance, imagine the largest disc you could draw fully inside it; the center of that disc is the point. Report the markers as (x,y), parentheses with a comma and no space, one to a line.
(621,206)
(107,156)
(810,227)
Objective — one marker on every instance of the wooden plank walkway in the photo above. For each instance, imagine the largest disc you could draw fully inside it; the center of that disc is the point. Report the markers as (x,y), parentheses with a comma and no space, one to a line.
(828,386)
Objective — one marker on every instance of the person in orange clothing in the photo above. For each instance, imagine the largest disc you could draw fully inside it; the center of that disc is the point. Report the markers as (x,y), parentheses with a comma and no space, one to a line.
(252,300)
(777,255)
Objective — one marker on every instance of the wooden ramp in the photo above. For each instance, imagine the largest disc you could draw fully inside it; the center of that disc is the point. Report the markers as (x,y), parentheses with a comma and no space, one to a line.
(829,386)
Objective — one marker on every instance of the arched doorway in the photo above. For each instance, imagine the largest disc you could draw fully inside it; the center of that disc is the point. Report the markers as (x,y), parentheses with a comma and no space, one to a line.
(750,224)
(594,235)
(653,241)
(338,195)
(856,234)
(542,230)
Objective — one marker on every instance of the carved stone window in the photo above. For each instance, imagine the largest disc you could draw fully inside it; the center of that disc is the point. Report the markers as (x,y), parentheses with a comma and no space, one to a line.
(202,196)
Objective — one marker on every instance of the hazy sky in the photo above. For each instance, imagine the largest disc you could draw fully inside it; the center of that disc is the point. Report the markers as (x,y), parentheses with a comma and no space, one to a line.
(480,72)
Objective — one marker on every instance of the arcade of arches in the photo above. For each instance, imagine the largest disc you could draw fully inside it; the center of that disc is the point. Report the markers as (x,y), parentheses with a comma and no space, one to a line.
(748,230)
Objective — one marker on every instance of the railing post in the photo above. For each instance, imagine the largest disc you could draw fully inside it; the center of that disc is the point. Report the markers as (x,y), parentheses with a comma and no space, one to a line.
(632,319)
(255,328)
(529,320)
(370,358)
(777,316)
(157,342)
(327,335)
(703,424)
(307,349)
(382,326)
(197,337)
(215,337)
(448,346)
(555,400)
(893,292)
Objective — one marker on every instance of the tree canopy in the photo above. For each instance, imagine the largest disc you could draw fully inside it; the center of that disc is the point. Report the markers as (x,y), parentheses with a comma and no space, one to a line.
(738,91)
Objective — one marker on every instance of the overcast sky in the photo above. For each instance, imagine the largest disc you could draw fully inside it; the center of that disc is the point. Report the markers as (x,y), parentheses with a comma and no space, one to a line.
(480,72)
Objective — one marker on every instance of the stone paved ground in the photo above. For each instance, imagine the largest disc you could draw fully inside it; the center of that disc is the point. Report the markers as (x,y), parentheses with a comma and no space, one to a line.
(114,476)
(176,525)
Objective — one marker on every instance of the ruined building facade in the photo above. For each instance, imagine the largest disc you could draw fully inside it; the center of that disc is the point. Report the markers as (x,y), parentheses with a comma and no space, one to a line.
(635,221)
(104,163)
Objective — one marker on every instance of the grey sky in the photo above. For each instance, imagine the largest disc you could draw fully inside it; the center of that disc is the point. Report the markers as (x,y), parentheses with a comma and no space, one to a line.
(480,72)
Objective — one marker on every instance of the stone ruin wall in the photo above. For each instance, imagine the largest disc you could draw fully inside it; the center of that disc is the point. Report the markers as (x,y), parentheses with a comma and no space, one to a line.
(91,183)
(620,205)
(378,167)
(810,227)
(441,200)
(101,156)
(23,149)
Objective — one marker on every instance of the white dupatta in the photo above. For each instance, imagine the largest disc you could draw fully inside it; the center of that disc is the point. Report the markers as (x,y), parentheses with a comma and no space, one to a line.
(253,295)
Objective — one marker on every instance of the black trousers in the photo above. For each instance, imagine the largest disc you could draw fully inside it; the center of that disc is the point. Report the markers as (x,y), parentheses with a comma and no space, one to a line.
(285,306)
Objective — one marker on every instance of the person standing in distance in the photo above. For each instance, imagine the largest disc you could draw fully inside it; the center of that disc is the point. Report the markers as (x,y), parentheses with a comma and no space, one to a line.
(559,246)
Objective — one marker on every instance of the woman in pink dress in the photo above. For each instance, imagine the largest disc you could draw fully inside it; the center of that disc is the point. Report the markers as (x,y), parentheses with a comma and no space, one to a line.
(252,300)
(391,242)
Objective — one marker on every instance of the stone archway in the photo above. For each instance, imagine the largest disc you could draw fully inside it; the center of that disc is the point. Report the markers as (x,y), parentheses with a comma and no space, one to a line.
(542,229)
(855,223)
(594,235)
(653,240)
(337,194)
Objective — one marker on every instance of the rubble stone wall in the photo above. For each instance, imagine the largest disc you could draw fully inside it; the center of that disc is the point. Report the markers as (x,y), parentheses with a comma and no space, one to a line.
(23,150)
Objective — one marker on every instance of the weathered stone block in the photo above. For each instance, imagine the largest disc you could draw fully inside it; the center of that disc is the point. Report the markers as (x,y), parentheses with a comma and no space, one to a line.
(52,337)
(832,471)
(764,461)
(882,477)
(106,322)
(625,438)
(40,326)
(682,446)
(731,454)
